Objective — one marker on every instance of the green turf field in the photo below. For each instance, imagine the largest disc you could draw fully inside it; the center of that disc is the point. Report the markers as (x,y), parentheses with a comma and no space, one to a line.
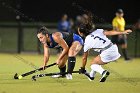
(124,77)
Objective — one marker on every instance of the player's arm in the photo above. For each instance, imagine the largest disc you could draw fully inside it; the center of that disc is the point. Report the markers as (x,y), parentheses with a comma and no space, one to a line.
(84,62)
(58,38)
(84,59)
(46,54)
(114,32)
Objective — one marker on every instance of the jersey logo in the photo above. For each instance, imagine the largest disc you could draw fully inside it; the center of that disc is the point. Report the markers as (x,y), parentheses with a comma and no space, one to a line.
(72,61)
(98,38)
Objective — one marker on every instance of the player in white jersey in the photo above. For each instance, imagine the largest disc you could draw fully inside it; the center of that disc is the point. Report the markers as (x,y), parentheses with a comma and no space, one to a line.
(97,40)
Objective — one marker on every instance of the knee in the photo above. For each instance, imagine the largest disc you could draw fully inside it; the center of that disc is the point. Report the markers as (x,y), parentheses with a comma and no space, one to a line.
(74,51)
(95,61)
(71,52)
(61,64)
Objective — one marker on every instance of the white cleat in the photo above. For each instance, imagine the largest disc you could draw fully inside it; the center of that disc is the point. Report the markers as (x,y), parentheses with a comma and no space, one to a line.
(69,76)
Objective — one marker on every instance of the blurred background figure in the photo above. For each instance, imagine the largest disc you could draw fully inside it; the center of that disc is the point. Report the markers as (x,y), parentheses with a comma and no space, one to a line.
(118,24)
(136,30)
(64,24)
(137,25)
(88,19)
(78,21)
(85,18)
(71,25)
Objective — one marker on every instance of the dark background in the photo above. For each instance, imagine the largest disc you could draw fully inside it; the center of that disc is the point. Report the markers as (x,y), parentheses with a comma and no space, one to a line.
(51,10)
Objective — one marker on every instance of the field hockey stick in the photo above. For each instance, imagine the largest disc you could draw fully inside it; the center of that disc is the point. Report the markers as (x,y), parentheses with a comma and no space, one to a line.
(31,72)
(49,74)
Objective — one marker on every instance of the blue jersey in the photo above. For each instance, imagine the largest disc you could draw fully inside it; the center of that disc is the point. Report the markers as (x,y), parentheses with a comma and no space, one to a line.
(68,37)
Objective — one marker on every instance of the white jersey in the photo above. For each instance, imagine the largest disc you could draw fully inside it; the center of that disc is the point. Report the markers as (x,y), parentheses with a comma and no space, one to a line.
(96,40)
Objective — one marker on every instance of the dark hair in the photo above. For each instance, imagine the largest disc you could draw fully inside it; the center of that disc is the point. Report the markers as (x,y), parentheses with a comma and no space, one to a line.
(43,30)
(85,29)
(119,11)
(87,26)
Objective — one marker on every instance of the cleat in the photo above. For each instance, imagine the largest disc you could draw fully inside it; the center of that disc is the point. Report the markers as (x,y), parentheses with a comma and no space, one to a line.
(128,59)
(69,76)
(105,74)
(88,76)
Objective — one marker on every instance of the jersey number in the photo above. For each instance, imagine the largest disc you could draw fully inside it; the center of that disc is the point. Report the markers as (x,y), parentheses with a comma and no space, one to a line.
(98,38)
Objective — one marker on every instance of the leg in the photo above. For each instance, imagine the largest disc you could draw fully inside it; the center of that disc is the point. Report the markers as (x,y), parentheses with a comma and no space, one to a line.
(96,67)
(62,67)
(124,51)
(123,43)
(63,61)
(73,51)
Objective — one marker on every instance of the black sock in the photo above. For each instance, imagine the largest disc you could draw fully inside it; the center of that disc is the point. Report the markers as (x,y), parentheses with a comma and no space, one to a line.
(62,70)
(71,64)
(124,52)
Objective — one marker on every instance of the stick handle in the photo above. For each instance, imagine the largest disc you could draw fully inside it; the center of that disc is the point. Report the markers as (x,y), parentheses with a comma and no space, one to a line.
(33,71)
(46,67)
(50,74)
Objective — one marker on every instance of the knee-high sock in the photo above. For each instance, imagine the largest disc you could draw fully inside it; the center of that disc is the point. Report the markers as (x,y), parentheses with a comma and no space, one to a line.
(62,70)
(97,68)
(71,64)
(92,73)
(124,52)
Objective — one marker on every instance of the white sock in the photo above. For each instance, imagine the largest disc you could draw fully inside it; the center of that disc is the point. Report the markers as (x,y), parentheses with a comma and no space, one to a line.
(92,73)
(97,68)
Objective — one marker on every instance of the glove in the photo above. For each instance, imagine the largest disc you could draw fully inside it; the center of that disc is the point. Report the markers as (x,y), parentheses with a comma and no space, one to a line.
(82,70)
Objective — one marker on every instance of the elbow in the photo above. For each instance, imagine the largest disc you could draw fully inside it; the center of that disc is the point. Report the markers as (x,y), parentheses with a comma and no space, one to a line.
(66,50)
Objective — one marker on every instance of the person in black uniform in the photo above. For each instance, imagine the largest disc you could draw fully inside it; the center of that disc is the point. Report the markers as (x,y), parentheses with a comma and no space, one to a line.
(70,43)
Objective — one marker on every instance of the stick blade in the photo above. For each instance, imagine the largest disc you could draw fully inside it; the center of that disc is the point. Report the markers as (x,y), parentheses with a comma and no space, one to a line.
(16,76)
(33,78)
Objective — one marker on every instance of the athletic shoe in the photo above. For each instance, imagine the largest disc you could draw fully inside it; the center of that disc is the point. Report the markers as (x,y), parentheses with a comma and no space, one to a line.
(105,74)
(69,76)
(128,59)
(88,76)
